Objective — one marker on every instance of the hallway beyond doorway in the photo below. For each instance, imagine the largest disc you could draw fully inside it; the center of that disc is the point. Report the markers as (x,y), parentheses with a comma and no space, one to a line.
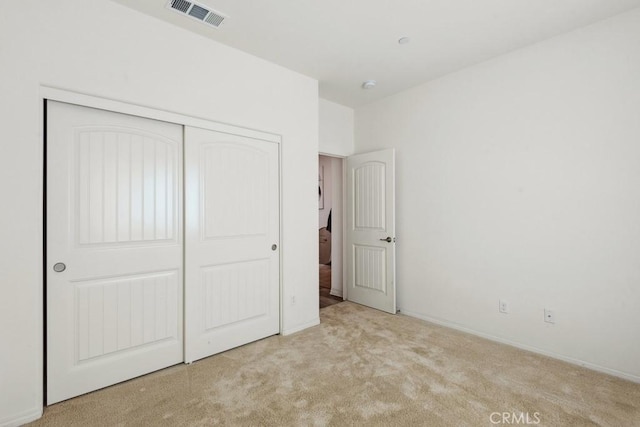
(326,299)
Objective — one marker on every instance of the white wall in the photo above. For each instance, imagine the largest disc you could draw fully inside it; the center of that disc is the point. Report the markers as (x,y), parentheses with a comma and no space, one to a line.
(104,49)
(519,178)
(336,128)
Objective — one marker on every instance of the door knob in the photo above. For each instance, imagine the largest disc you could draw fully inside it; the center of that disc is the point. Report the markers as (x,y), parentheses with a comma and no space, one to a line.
(59,267)
(388,240)
(274,247)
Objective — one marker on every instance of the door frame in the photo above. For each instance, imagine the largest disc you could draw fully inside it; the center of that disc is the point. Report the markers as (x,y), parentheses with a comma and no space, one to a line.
(343,195)
(48,93)
(345,288)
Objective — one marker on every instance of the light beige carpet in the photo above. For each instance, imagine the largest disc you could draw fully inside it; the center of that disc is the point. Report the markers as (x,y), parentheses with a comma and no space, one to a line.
(367,368)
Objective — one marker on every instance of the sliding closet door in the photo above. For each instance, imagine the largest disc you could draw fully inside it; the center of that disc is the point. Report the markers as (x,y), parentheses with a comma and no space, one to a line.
(232,238)
(114,248)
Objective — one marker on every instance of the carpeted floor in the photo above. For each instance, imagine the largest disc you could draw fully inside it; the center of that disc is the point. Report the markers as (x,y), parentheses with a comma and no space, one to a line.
(367,368)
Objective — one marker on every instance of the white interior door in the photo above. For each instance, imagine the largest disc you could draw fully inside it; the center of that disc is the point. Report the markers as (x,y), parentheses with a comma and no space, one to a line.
(371,230)
(232,270)
(114,248)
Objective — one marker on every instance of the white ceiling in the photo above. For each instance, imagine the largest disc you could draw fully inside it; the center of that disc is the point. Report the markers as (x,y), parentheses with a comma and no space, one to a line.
(345,42)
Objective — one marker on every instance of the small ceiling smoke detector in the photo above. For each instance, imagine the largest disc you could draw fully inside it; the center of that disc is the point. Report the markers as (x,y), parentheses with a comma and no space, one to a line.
(369,84)
(404,40)
(197,11)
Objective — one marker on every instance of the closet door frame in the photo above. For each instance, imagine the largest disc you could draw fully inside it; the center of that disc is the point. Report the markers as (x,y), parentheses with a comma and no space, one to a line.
(69,97)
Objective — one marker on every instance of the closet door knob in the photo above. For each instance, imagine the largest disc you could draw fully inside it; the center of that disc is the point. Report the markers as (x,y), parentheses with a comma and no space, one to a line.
(59,267)
(274,247)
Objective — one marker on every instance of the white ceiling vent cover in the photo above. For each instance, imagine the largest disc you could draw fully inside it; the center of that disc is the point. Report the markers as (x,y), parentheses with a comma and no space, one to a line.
(197,11)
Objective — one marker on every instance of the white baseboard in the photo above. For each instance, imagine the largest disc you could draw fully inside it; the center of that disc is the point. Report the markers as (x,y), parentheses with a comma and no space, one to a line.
(336,292)
(574,361)
(301,327)
(23,418)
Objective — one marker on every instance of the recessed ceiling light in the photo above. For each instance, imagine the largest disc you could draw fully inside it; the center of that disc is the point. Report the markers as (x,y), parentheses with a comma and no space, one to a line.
(404,40)
(369,84)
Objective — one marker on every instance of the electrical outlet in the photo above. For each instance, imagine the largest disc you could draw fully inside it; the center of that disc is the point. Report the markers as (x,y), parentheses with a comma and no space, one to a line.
(293,299)
(503,306)
(549,316)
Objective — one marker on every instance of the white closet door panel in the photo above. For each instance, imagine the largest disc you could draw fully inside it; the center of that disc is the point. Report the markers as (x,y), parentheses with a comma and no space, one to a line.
(232,272)
(138,306)
(114,219)
(235,292)
(235,197)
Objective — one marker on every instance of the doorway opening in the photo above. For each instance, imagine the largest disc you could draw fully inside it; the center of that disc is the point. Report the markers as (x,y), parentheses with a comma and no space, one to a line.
(330,226)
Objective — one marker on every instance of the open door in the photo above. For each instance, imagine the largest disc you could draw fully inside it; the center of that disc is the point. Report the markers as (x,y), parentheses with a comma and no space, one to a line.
(371,230)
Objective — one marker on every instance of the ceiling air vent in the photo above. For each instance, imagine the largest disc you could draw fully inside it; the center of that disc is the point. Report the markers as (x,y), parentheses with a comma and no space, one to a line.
(196,11)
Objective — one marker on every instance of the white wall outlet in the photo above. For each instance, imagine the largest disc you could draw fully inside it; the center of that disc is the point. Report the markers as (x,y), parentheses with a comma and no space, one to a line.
(503,306)
(549,316)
